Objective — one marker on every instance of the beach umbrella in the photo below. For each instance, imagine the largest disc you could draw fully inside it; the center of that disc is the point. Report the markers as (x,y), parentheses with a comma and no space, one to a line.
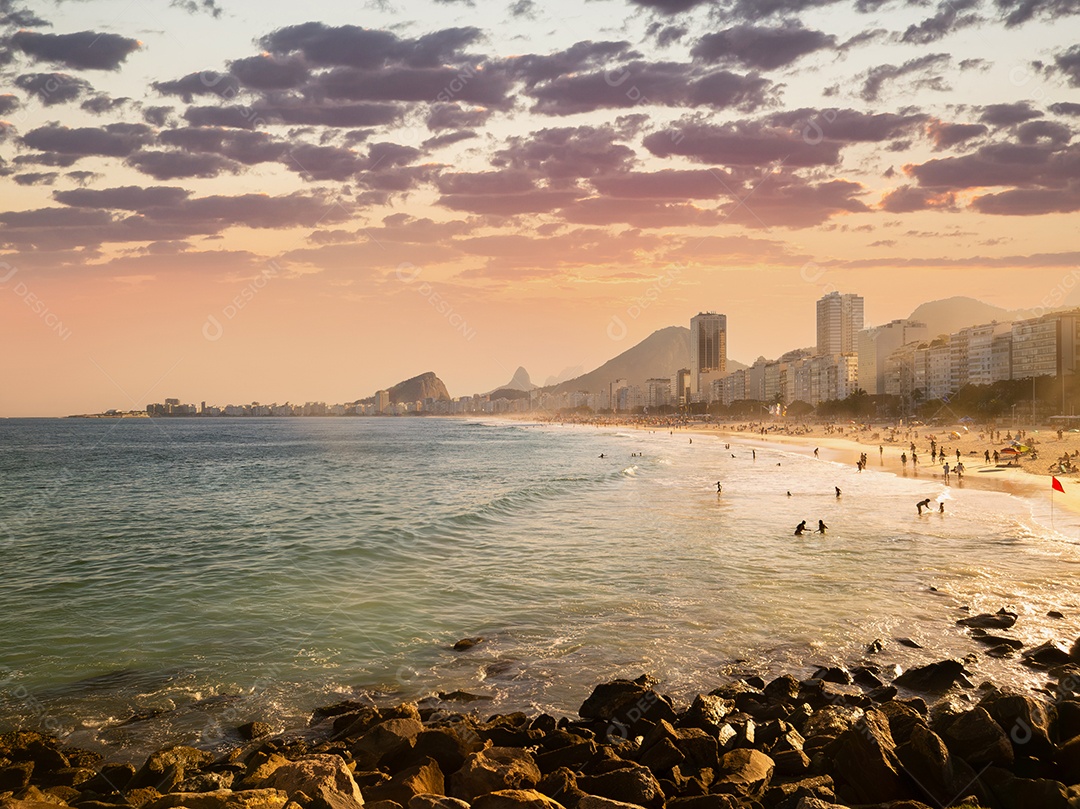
(1010,451)
(954,434)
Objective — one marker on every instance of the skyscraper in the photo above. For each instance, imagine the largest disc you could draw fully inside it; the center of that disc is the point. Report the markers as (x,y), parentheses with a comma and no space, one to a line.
(708,349)
(839,321)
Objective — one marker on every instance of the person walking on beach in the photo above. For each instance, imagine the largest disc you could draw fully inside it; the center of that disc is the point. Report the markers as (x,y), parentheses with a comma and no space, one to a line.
(821,527)
(959,470)
(996,456)
(945,468)
(719,488)
(922,504)
(941,507)
(754,451)
(815,452)
(800,528)
(914,459)
(986,455)
(903,459)
(837,492)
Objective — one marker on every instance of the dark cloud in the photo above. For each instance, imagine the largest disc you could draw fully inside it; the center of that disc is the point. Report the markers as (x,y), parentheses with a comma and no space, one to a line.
(1069,64)
(111,140)
(581,56)
(158,116)
(235,144)
(908,198)
(85,50)
(124,198)
(667,184)
(456,116)
(668,6)
(175,165)
(7,131)
(502,193)
(206,82)
(946,135)
(53,218)
(661,83)
(485,85)
(1065,108)
(9,103)
(1020,11)
(295,112)
(448,139)
(264,72)
(762,47)
(352,46)
(666,34)
(928,70)
(324,162)
(950,17)
(196,6)
(101,104)
(46,159)
(53,88)
(746,143)
(1008,114)
(847,125)
(1030,201)
(1049,132)
(36,178)
(16,17)
(82,177)
(567,153)
(523,8)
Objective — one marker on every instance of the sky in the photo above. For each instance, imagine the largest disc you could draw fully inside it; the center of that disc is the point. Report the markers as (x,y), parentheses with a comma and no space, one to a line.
(237,200)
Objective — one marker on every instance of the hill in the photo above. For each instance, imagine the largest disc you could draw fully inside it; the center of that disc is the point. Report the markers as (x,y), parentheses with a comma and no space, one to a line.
(520,382)
(952,314)
(424,386)
(662,353)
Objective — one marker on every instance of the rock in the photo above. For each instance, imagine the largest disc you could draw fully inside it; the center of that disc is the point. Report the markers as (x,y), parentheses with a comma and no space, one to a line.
(704,802)
(933,678)
(784,688)
(707,712)
(864,756)
(1002,619)
(493,770)
(12,803)
(165,769)
(662,756)
(597,802)
(831,721)
(975,737)
(1011,792)
(875,646)
(1068,719)
(1025,720)
(254,730)
(466,643)
(787,796)
(371,805)
(754,681)
(1068,759)
(1046,654)
(223,799)
(1001,651)
(632,784)
(35,795)
(908,642)
(16,777)
(817,803)
(261,766)
(424,778)
(833,674)
(324,778)
(386,740)
(939,776)
(1054,614)
(997,640)
(902,720)
(141,796)
(625,704)
(516,799)
(436,802)
(744,773)
(111,778)
(561,785)
(572,756)
(867,676)
(206,782)
(1074,652)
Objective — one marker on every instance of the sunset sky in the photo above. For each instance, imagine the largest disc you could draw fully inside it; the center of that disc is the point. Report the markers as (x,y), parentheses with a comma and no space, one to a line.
(231,200)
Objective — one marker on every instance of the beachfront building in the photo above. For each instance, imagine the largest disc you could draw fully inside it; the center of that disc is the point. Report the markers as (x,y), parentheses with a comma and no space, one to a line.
(877,343)
(708,350)
(839,321)
(382,401)
(680,394)
(658,392)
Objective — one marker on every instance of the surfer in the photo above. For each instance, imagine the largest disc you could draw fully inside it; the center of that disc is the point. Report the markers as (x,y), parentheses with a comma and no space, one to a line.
(800,528)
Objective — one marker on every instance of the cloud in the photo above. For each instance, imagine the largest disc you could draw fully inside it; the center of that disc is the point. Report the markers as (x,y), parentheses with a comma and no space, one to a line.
(1008,114)
(1030,201)
(456,116)
(928,69)
(206,82)
(196,6)
(111,140)
(175,165)
(101,104)
(847,125)
(1069,64)
(948,19)
(36,178)
(579,57)
(297,112)
(85,50)
(1065,108)
(125,198)
(907,199)
(1021,11)
(53,88)
(240,145)
(679,184)
(487,85)
(500,193)
(1049,132)
(264,72)
(946,135)
(158,116)
(9,103)
(761,47)
(745,143)
(639,213)
(567,153)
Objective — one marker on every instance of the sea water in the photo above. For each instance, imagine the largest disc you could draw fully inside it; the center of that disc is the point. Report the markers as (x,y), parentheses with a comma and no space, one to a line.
(166,580)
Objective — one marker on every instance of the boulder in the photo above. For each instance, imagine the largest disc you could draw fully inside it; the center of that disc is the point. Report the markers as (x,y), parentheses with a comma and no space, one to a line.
(573,756)
(997,640)
(902,719)
(384,741)
(254,730)
(494,770)
(1002,619)
(597,802)
(704,802)
(833,674)
(223,799)
(1025,720)
(1046,654)
(937,774)
(935,677)
(424,778)
(467,643)
(745,773)
(16,777)
(1074,651)
(110,778)
(975,737)
(831,721)
(561,785)
(1068,760)
(788,795)
(1011,792)
(707,712)
(324,778)
(449,745)
(516,799)
(261,766)
(864,757)
(627,705)
(165,769)
(436,802)
(631,784)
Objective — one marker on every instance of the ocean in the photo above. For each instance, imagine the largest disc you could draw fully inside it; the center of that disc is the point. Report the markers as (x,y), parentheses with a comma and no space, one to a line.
(167,580)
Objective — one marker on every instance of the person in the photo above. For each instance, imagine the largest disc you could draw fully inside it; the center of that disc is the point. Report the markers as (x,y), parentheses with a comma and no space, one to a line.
(997,456)
(754,451)
(789,493)
(946,469)
(719,488)
(601,455)
(922,504)
(691,440)
(815,452)
(821,527)
(957,453)
(837,490)
(800,528)
(959,469)
(914,459)
(903,459)
(941,507)
(986,456)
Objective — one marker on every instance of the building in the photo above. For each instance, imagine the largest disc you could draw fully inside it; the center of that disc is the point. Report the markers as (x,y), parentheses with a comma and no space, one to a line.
(614,388)
(708,350)
(382,401)
(658,392)
(681,395)
(874,346)
(839,321)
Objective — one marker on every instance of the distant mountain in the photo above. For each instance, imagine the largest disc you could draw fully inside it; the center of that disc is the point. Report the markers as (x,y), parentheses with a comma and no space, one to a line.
(566,373)
(952,314)
(520,382)
(662,353)
(425,386)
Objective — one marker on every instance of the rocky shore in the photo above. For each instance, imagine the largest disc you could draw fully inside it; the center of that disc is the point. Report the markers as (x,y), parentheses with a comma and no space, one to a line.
(859,737)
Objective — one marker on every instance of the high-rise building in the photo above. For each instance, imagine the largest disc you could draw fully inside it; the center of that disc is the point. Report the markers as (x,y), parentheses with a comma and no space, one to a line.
(876,344)
(839,321)
(708,350)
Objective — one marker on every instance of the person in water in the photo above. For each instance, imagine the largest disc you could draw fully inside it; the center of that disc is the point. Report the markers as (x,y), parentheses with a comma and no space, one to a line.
(815,452)
(800,528)
(922,504)
(719,488)
(941,507)
(837,491)
(821,527)
(789,493)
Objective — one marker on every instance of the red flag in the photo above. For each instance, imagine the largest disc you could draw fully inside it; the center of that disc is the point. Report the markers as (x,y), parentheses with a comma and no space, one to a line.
(1056,485)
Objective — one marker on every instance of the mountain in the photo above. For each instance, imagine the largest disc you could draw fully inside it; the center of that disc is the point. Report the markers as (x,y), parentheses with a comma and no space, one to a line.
(566,373)
(662,353)
(425,386)
(952,314)
(520,382)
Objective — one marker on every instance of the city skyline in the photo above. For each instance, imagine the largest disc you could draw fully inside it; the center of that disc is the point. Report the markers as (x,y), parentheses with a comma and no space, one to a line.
(288,202)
